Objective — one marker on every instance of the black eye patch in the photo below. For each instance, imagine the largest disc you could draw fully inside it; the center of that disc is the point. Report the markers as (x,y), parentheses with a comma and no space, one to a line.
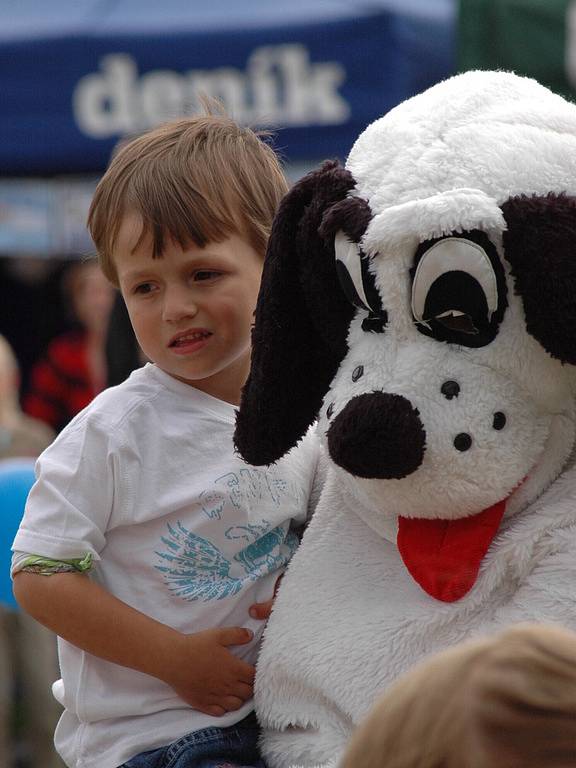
(459,289)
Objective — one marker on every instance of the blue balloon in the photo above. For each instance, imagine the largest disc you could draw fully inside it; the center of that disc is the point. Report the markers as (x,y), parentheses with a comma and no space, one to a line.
(16,479)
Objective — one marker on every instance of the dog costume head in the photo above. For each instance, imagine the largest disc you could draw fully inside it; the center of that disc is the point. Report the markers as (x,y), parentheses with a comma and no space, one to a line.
(420,302)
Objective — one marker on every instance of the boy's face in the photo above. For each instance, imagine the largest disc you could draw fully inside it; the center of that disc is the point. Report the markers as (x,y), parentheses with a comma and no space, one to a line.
(191,309)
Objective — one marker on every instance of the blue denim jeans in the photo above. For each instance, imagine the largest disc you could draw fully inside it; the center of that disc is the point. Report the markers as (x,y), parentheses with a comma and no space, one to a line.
(232,747)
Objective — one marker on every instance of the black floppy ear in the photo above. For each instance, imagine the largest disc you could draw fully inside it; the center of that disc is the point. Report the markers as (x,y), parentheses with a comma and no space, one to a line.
(540,245)
(302,319)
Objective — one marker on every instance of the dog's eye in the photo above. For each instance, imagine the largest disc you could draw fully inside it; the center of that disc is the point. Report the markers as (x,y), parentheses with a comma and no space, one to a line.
(456,291)
(454,280)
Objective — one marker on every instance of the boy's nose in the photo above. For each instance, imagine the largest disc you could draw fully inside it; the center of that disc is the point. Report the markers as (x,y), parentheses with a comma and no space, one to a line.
(178,304)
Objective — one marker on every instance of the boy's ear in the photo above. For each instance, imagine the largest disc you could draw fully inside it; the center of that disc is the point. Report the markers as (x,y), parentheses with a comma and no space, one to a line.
(302,319)
(540,246)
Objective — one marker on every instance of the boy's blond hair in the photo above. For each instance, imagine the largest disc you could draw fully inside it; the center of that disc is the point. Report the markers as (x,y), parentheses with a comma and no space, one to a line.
(507,701)
(196,180)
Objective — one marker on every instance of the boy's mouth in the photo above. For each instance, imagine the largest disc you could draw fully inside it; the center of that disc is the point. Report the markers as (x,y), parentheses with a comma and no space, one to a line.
(188,339)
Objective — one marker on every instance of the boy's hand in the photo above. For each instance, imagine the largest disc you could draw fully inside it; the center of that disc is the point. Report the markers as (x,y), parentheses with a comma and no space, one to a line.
(199,667)
(205,674)
(263,610)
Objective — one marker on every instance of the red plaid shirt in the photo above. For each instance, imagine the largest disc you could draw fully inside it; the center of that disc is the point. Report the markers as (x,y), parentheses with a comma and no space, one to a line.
(60,384)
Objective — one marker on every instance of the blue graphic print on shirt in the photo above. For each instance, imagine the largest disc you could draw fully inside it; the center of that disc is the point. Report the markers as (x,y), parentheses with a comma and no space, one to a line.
(195,569)
(238,490)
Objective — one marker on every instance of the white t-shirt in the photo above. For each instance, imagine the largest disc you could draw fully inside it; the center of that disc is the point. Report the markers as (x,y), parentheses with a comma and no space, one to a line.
(146,480)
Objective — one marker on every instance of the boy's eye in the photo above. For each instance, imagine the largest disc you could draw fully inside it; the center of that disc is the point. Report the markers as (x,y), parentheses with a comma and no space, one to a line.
(206,274)
(143,288)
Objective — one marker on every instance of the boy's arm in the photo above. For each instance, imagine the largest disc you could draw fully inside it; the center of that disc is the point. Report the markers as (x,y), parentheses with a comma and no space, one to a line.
(199,667)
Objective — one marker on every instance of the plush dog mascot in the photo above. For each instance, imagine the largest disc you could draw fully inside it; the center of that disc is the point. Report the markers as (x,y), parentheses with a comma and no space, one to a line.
(420,303)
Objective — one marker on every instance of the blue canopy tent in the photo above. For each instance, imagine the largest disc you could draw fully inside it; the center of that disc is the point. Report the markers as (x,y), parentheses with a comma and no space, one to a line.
(75,76)
(78,75)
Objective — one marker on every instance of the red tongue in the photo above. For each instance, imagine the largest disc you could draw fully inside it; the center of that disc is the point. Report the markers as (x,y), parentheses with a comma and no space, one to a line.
(444,556)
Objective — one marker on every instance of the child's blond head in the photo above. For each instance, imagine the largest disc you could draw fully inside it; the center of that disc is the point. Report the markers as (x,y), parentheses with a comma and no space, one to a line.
(196,180)
(507,701)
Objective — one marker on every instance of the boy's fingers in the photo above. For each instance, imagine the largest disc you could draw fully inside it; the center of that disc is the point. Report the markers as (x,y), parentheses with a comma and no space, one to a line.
(215,710)
(261,610)
(244,691)
(246,672)
(230,703)
(235,636)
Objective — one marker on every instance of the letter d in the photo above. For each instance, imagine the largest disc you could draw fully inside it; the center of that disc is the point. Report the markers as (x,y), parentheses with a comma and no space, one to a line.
(102,103)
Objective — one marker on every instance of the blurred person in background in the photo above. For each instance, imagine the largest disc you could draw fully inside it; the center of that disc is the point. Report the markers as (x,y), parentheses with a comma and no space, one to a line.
(73,369)
(32,310)
(504,701)
(20,435)
(28,653)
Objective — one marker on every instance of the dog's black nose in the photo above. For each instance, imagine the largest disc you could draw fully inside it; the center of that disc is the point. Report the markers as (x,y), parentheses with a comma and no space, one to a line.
(377,435)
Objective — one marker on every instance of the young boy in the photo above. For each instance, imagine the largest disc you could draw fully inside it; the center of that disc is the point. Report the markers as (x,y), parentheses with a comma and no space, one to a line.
(147,545)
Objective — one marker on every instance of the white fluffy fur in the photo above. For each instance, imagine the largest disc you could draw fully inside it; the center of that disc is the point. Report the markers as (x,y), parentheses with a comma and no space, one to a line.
(349,618)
